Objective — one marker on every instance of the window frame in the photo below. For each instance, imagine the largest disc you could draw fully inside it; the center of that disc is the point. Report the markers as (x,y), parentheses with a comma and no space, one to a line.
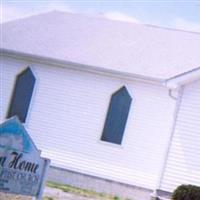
(12,111)
(118,97)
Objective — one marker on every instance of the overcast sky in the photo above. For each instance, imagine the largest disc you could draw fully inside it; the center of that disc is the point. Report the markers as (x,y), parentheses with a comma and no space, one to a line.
(173,14)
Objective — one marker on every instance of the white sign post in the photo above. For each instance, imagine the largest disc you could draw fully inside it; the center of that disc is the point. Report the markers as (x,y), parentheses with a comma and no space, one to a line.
(22,170)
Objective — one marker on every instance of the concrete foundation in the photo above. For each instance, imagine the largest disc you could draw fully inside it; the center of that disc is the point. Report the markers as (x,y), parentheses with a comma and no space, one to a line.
(84,181)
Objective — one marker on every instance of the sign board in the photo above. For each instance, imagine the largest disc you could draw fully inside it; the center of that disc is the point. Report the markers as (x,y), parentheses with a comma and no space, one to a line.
(22,170)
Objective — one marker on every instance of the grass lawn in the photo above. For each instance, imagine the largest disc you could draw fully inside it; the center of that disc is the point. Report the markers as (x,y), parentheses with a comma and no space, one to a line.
(81,192)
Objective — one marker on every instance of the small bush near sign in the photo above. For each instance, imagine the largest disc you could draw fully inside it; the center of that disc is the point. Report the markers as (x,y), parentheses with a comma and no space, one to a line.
(186,192)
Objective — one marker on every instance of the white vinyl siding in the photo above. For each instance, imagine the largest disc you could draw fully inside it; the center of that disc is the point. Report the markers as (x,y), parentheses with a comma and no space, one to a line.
(183,165)
(67,115)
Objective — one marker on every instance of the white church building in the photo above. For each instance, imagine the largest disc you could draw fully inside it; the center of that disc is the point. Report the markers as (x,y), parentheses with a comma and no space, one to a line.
(106,100)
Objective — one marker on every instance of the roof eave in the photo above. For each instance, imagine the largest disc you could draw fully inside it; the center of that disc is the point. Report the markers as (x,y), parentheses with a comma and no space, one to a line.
(80,67)
(183,79)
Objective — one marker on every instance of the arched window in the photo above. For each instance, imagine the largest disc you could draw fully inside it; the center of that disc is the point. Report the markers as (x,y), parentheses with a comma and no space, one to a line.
(22,94)
(117,116)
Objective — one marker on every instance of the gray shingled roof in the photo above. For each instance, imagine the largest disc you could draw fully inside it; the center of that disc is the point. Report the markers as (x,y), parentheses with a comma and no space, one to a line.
(105,44)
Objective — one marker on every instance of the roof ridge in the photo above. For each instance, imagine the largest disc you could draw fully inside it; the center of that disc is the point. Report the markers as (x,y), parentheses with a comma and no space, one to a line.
(106,19)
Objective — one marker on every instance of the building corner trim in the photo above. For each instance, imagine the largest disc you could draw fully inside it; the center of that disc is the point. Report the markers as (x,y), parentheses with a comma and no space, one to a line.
(155,195)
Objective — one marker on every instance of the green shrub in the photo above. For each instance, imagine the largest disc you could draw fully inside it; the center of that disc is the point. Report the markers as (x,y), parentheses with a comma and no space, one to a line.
(186,192)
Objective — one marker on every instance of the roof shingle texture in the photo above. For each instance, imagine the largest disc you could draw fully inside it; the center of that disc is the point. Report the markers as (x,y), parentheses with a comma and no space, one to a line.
(124,47)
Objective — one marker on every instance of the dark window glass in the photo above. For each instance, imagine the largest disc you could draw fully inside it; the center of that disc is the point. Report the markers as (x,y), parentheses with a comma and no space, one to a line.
(22,94)
(117,116)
